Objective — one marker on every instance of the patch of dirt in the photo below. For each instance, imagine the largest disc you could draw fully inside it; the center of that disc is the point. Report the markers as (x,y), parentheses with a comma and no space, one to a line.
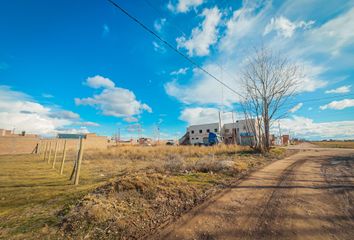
(137,205)
(306,196)
(131,207)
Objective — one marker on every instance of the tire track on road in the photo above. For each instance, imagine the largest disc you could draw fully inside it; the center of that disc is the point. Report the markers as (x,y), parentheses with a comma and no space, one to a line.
(276,205)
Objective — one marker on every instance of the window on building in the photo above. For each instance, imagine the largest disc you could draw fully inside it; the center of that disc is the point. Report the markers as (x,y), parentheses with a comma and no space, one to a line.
(192,131)
(208,130)
(197,138)
(192,138)
(227,130)
(215,130)
(200,131)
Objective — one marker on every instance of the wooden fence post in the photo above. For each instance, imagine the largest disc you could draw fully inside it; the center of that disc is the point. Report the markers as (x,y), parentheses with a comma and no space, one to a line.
(36,151)
(74,170)
(81,152)
(39,149)
(45,151)
(63,159)
(50,151)
(55,153)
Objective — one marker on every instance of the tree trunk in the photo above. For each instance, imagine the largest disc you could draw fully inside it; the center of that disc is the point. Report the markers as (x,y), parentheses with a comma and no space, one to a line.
(266,129)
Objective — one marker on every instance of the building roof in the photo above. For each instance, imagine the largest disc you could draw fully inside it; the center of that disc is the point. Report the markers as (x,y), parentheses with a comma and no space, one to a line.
(72,135)
(204,124)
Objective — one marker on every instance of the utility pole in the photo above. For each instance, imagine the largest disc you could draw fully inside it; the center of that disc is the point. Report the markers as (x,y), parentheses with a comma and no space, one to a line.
(220,126)
(280,138)
(158,133)
(118,135)
(233,126)
(139,131)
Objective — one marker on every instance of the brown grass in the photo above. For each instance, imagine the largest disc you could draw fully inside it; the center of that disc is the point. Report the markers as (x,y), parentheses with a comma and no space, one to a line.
(34,198)
(335,144)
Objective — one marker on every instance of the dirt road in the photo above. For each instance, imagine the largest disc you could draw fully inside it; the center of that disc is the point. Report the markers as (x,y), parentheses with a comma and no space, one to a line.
(309,195)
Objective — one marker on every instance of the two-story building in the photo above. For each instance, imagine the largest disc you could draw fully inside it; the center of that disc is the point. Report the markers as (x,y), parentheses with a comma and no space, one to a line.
(198,134)
(241,132)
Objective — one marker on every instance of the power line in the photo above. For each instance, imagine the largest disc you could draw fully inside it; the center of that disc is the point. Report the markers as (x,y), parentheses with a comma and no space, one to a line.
(177,27)
(195,63)
(172,47)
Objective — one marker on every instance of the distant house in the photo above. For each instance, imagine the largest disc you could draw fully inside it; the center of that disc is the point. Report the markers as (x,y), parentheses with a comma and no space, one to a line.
(241,132)
(276,140)
(198,134)
(5,132)
(145,141)
(17,143)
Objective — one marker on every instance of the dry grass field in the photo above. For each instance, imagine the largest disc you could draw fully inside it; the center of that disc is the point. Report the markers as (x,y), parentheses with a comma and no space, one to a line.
(335,144)
(37,202)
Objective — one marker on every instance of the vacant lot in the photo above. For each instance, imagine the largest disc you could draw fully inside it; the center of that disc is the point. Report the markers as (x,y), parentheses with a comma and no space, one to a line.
(131,183)
(337,144)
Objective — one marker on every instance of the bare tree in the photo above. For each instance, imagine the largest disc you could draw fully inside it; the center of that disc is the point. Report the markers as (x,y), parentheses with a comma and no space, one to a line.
(269,81)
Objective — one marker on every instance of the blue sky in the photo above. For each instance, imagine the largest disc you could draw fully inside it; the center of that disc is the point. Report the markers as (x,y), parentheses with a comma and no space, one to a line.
(71,66)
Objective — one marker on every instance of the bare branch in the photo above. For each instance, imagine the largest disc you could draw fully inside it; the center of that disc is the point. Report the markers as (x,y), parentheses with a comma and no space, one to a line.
(269,80)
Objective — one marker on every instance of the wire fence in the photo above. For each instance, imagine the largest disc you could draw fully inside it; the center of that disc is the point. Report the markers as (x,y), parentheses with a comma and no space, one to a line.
(56,151)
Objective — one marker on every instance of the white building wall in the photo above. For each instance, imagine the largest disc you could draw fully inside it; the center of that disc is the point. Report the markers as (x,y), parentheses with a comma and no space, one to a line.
(244,131)
(199,132)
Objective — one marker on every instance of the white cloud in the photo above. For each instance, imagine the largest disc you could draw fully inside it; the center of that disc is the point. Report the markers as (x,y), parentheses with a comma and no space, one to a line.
(244,25)
(334,35)
(296,107)
(113,101)
(183,6)
(205,90)
(73,130)
(64,114)
(105,30)
(158,47)
(339,105)
(134,128)
(47,95)
(203,36)
(307,128)
(199,115)
(181,71)
(20,111)
(88,124)
(99,82)
(131,119)
(146,108)
(284,27)
(243,29)
(311,79)
(159,23)
(342,89)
